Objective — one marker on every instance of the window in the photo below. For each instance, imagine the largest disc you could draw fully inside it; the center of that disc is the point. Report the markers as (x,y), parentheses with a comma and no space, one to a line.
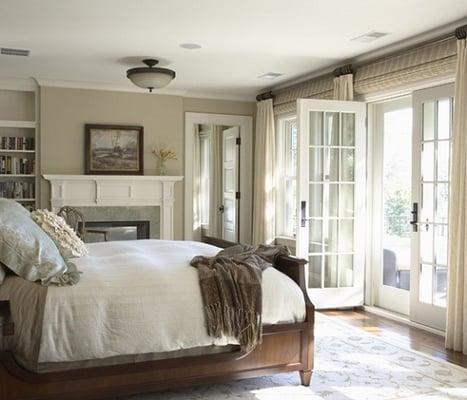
(286,207)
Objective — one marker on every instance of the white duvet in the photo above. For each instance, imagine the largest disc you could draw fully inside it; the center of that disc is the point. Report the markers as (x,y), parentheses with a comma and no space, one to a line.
(140,297)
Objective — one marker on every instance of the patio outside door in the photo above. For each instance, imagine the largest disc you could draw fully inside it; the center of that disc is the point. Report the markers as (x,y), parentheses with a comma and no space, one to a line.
(331,200)
(433,110)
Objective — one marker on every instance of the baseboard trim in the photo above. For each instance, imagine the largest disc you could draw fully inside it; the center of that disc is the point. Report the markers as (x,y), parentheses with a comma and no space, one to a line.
(401,318)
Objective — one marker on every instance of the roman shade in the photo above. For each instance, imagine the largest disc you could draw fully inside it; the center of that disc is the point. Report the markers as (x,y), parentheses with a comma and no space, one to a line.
(414,65)
(410,66)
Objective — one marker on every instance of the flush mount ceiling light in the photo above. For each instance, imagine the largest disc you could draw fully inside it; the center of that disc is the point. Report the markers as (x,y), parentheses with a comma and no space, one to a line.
(150,77)
(369,37)
(270,75)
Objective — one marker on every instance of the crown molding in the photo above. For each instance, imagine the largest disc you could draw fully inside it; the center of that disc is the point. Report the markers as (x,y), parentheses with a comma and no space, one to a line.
(115,87)
(108,86)
(23,84)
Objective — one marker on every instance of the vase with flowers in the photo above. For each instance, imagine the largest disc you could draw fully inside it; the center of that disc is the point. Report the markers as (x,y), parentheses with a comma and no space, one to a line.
(163,155)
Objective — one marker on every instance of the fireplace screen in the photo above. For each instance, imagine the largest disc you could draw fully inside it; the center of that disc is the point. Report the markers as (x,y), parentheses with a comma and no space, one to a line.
(100,231)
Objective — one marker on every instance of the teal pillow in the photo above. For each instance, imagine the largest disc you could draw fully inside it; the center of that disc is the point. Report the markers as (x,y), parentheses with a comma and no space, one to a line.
(28,251)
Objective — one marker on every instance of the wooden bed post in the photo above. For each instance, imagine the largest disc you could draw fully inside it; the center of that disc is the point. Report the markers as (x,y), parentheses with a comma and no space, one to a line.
(295,269)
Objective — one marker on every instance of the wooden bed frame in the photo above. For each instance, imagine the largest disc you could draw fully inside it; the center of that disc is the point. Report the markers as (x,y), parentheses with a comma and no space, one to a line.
(284,348)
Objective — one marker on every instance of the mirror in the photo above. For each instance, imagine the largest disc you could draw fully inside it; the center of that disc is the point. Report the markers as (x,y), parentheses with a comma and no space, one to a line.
(216,181)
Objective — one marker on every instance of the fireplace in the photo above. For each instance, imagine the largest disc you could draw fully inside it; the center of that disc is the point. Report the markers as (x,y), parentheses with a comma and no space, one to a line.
(100,231)
(119,198)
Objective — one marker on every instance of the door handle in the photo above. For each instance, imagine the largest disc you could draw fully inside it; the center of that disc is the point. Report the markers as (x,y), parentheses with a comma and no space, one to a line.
(303,217)
(221,208)
(414,221)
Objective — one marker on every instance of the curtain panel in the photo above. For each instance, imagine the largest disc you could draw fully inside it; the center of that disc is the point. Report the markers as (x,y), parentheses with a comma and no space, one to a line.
(264,199)
(411,66)
(196,185)
(456,324)
(343,87)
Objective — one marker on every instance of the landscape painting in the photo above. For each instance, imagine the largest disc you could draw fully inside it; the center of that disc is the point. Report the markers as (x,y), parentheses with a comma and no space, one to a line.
(114,149)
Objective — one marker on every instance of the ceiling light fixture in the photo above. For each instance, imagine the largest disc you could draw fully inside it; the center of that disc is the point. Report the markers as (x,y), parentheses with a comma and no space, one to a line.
(150,77)
(270,75)
(369,37)
(190,46)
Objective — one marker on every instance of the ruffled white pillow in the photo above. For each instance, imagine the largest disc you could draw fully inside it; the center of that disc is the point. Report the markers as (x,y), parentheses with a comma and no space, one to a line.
(64,237)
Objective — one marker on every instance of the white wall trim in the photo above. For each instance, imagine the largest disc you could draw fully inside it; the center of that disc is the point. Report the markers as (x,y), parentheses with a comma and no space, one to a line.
(122,87)
(20,84)
(246,167)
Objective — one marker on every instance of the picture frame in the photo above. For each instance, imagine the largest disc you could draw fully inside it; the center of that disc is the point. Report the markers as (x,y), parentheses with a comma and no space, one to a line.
(114,149)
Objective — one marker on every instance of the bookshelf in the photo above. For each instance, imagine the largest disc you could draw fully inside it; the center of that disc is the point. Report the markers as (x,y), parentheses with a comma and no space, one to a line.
(19,167)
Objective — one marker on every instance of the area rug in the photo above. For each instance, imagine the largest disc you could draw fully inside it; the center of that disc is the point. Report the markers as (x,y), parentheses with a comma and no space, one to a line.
(350,364)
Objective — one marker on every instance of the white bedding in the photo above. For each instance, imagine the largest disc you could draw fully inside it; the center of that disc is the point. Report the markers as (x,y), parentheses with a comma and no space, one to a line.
(140,297)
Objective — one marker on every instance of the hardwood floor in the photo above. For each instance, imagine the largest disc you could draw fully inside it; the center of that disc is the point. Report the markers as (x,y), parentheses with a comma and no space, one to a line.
(408,336)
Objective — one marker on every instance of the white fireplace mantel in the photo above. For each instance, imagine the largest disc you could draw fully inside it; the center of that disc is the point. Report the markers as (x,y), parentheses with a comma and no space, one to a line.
(116,190)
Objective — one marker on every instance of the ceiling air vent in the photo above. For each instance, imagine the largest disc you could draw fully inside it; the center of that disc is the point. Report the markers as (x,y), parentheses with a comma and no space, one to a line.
(6,51)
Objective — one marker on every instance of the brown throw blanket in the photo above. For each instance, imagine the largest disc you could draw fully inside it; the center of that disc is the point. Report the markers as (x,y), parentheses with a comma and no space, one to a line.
(231,289)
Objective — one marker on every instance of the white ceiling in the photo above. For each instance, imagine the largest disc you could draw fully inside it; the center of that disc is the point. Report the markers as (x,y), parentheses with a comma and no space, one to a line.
(92,42)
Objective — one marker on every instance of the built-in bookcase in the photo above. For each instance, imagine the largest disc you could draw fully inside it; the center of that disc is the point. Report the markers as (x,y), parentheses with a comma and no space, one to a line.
(19,162)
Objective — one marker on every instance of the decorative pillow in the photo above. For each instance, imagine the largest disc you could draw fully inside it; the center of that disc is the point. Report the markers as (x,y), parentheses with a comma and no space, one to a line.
(65,238)
(28,251)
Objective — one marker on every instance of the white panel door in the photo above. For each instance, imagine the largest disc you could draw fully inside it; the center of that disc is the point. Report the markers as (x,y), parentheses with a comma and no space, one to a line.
(331,200)
(433,110)
(230,183)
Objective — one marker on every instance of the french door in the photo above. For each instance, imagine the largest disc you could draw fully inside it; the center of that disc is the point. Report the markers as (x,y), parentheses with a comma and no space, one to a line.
(433,110)
(331,200)
(410,201)
(391,204)
(230,183)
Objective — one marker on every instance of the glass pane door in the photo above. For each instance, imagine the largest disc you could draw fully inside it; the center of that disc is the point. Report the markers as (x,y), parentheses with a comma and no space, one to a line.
(392,204)
(432,136)
(331,174)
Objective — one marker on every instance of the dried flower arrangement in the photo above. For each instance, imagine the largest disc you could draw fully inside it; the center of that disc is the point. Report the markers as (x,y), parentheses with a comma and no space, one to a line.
(164,155)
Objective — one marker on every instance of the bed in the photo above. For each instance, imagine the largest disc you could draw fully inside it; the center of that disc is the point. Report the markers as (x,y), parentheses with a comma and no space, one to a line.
(106,336)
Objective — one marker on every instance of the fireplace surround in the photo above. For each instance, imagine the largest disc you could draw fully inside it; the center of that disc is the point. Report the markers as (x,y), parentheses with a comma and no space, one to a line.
(104,193)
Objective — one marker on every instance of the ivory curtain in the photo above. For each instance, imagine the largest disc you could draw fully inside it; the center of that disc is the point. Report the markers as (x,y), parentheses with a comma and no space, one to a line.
(196,185)
(343,87)
(456,326)
(215,174)
(263,190)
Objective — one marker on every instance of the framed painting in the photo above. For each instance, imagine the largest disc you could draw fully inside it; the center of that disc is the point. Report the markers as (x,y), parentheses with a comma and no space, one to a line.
(114,149)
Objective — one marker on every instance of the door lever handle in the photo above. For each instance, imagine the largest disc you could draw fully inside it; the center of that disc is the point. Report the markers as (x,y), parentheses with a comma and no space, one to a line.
(414,221)
(303,217)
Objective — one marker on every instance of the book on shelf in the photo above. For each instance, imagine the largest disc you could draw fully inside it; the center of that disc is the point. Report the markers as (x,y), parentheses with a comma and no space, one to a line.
(17,190)
(16,165)
(16,143)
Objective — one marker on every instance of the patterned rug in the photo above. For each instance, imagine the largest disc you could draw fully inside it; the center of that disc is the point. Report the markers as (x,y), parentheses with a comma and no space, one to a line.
(350,365)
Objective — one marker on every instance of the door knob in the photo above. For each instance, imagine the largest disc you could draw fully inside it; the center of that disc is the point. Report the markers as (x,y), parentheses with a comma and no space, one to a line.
(221,208)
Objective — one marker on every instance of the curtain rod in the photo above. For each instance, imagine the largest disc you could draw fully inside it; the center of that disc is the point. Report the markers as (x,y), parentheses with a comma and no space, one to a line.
(461,32)
(344,70)
(265,96)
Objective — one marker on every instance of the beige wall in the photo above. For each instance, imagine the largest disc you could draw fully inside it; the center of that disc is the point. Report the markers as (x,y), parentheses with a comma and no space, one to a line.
(63,113)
